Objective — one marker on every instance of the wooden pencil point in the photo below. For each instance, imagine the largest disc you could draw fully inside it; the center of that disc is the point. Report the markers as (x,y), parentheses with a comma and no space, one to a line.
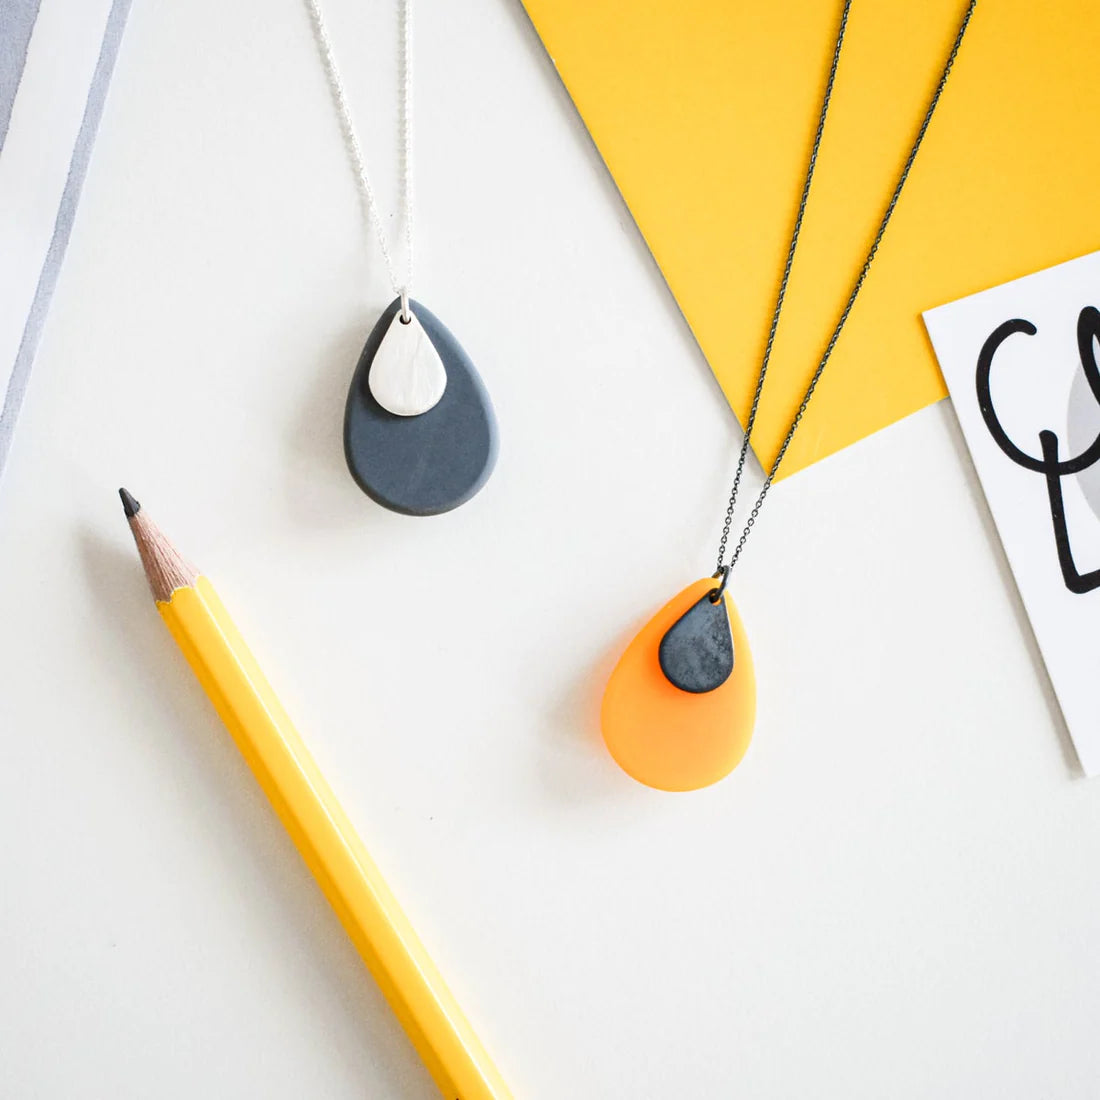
(166,568)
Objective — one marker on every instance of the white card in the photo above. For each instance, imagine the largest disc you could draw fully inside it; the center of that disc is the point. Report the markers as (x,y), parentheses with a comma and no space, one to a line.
(1017,361)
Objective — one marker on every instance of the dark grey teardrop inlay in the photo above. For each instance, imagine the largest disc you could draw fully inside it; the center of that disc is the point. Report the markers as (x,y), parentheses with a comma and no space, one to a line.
(696,653)
(427,464)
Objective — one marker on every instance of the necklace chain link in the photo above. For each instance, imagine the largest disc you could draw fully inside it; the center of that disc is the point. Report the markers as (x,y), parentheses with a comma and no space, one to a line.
(723,568)
(355,149)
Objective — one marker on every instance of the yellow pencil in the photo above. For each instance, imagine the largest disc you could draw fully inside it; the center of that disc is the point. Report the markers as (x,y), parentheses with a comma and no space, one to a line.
(308,809)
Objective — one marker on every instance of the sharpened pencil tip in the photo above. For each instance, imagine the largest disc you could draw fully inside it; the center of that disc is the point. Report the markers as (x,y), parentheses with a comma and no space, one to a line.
(130,506)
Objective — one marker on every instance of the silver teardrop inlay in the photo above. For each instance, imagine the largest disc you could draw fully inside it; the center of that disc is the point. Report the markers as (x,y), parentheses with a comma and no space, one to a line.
(407,376)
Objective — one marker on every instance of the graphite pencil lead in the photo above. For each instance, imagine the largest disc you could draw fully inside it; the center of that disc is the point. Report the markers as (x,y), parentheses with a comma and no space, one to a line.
(130,506)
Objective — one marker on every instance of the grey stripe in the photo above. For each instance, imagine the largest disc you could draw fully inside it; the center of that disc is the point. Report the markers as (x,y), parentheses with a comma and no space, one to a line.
(16,23)
(66,212)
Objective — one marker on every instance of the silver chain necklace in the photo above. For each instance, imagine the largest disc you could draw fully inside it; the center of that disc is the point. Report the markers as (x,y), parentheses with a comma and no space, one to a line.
(355,149)
(420,434)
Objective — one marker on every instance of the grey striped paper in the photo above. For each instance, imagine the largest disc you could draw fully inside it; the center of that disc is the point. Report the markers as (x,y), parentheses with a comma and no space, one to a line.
(17,22)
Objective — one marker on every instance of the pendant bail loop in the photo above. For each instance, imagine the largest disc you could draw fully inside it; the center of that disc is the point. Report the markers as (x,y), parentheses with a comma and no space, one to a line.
(406,316)
(716,594)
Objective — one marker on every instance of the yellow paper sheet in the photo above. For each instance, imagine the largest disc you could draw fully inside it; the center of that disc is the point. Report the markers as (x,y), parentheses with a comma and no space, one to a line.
(704,111)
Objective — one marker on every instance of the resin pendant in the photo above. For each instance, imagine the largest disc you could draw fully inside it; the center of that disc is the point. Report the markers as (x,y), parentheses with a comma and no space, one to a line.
(420,436)
(681,738)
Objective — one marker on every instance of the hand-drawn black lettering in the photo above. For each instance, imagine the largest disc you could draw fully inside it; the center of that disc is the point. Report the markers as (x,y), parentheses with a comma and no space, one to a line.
(1049,464)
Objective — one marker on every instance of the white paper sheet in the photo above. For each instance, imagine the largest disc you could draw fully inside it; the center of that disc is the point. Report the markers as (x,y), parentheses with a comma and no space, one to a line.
(1039,334)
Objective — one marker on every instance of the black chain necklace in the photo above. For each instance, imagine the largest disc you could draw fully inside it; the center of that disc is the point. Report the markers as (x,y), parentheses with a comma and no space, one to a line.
(679,708)
(722,569)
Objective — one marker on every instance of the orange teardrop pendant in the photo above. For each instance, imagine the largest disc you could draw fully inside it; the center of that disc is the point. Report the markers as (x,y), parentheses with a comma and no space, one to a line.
(672,739)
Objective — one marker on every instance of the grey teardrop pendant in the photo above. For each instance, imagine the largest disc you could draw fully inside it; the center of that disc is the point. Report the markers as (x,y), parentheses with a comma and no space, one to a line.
(696,652)
(429,463)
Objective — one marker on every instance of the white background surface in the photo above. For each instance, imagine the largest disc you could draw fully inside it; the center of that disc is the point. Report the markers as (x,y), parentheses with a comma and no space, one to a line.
(895,894)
